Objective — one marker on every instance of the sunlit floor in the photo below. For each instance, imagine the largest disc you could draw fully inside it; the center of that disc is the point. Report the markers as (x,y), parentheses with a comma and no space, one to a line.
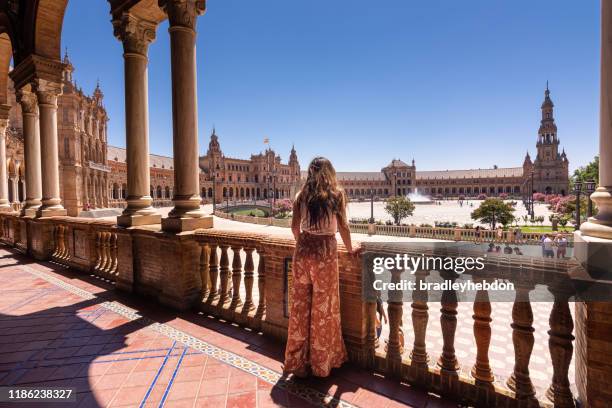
(59,328)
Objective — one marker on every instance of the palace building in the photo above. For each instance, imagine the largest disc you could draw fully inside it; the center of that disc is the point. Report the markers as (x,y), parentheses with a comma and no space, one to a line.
(548,173)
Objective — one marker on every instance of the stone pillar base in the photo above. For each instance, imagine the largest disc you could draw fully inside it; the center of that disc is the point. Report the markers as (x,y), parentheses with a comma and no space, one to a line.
(51,212)
(135,220)
(594,255)
(600,225)
(5,208)
(29,212)
(186,224)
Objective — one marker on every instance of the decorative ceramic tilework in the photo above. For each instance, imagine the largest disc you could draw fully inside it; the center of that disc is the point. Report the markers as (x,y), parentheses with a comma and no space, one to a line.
(273,377)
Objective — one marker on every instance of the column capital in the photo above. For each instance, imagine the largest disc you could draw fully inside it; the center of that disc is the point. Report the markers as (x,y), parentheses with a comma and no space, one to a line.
(135,33)
(47,91)
(183,13)
(27,100)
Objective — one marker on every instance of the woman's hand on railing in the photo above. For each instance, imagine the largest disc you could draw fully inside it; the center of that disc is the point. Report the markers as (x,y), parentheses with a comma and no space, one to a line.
(356,252)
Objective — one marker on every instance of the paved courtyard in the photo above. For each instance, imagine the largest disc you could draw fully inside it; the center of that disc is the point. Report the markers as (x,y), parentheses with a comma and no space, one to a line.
(448,211)
(62,329)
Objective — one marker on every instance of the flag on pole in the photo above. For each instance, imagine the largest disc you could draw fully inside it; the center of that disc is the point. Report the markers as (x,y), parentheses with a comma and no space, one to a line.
(266,140)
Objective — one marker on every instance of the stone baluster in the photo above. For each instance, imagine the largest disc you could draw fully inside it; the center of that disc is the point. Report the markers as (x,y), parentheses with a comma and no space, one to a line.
(522,339)
(561,349)
(205,269)
(31,151)
(56,240)
(249,268)
(420,316)
(224,274)
(107,252)
(448,322)
(136,35)
(394,312)
(482,333)
(261,287)
(236,277)
(394,346)
(98,251)
(114,254)
(213,270)
(63,237)
(104,252)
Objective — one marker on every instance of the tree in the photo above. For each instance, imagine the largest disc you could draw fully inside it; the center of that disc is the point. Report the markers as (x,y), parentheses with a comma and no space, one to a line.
(283,207)
(493,211)
(586,173)
(399,208)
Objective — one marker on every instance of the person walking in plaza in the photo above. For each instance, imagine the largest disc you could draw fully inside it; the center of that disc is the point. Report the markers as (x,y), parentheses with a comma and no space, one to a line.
(547,246)
(518,235)
(314,338)
(561,242)
(477,234)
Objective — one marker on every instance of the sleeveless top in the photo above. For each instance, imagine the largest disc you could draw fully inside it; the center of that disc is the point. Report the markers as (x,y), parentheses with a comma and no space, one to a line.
(329,226)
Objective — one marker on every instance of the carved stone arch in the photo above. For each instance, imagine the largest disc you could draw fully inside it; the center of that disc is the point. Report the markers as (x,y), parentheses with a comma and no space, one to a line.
(47,28)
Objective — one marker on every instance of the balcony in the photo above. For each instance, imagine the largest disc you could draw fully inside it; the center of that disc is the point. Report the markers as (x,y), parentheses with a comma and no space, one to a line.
(241,279)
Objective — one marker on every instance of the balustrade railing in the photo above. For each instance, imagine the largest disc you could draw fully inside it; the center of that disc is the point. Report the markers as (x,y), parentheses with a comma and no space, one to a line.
(229,266)
(475,382)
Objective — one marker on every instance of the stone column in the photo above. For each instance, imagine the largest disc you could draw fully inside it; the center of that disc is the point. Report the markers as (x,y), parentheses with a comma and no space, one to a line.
(4,201)
(593,250)
(136,35)
(186,214)
(94,191)
(14,189)
(31,149)
(47,93)
(600,226)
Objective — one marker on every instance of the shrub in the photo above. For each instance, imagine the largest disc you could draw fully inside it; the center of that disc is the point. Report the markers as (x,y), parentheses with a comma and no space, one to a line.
(482,196)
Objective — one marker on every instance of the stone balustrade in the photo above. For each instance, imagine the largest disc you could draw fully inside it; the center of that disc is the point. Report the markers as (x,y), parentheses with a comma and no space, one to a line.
(412,231)
(246,278)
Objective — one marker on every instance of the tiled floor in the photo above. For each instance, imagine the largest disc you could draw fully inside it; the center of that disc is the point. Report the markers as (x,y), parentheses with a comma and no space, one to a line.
(62,329)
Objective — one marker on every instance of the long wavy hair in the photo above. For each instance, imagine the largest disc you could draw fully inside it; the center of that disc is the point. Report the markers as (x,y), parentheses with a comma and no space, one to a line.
(321,194)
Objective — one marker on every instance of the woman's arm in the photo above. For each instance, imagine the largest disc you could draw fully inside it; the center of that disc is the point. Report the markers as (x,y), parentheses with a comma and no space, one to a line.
(297,218)
(344,230)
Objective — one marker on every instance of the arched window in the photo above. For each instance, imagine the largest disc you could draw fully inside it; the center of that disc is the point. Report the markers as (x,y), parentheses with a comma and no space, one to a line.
(159,192)
(167,192)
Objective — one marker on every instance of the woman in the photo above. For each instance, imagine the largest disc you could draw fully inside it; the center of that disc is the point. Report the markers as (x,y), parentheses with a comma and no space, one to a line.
(314,339)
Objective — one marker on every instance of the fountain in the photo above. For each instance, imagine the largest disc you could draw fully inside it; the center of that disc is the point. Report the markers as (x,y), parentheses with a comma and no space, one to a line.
(419,198)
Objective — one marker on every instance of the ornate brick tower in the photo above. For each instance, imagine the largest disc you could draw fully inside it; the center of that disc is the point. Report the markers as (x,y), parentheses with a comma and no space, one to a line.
(551,169)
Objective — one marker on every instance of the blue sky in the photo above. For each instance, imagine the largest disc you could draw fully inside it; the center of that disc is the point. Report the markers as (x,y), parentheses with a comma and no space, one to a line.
(454,84)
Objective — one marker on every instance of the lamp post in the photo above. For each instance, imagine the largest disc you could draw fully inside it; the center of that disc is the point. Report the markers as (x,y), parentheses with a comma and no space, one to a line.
(214,192)
(590,186)
(532,209)
(371,206)
(577,191)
